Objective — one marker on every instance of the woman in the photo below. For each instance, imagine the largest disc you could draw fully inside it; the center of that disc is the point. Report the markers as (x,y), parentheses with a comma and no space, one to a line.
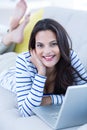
(43,74)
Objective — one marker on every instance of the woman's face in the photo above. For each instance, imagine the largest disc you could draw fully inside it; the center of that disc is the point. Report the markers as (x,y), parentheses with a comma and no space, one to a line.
(47,48)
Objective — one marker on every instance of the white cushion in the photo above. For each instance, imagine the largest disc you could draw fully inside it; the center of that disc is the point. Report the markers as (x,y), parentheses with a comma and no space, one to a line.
(7,60)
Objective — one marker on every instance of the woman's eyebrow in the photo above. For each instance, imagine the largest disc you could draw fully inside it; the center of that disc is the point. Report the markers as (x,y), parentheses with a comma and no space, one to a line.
(53,41)
(49,42)
(39,43)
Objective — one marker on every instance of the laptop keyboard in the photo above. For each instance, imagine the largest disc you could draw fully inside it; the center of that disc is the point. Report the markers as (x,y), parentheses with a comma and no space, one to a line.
(52,111)
(54,115)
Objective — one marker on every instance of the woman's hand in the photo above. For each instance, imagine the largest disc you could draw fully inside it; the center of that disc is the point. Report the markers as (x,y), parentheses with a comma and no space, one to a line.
(46,101)
(37,62)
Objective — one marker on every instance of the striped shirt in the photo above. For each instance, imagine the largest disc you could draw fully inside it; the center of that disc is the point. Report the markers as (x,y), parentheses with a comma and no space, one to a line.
(29,85)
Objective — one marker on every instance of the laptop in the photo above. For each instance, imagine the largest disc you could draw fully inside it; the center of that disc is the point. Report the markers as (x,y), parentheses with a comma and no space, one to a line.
(72,112)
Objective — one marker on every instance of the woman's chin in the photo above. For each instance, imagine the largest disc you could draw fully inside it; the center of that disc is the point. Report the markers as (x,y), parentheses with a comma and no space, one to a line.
(49,65)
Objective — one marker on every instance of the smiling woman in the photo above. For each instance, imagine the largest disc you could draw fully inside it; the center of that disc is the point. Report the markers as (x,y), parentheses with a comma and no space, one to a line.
(44,72)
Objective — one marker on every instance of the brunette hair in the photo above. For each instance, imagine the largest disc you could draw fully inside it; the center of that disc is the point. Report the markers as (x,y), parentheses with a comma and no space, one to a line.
(64,70)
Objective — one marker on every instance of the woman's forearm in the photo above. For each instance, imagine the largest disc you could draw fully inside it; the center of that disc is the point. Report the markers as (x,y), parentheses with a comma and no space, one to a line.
(46,100)
(52,99)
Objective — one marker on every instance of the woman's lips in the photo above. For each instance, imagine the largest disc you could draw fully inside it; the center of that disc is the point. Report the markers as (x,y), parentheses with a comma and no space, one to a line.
(48,58)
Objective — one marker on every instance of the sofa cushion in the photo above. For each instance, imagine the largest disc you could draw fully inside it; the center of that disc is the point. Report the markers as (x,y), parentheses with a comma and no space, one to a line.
(76,29)
(9,100)
(27,31)
(7,60)
(10,118)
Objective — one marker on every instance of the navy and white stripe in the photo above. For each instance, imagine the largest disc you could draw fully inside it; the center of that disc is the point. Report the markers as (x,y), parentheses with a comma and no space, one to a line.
(76,63)
(30,85)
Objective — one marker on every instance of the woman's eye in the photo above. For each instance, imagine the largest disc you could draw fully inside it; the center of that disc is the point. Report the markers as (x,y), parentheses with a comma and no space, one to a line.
(39,45)
(54,44)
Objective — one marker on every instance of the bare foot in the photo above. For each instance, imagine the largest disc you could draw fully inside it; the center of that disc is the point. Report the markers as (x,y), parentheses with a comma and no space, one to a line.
(19,12)
(17,35)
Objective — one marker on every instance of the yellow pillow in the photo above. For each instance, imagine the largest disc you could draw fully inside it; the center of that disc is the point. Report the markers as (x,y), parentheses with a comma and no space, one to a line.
(27,31)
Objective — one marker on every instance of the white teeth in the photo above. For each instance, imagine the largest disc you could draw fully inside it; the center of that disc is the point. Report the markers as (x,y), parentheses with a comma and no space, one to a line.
(48,57)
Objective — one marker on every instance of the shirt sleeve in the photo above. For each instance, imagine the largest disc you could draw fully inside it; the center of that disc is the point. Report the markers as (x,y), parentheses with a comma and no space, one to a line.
(76,63)
(57,99)
(29,93)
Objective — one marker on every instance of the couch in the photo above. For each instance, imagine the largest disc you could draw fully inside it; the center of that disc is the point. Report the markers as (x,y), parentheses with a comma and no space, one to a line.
(75,22)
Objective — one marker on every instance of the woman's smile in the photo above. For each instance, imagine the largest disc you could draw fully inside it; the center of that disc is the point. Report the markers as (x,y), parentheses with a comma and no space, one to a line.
(49,58)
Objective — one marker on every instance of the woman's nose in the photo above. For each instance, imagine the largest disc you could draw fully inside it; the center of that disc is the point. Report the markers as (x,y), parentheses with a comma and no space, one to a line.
(47,50)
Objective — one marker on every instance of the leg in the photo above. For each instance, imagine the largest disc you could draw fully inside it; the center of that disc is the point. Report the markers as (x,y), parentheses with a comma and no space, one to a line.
(19,12)
(16,35)
(16,30)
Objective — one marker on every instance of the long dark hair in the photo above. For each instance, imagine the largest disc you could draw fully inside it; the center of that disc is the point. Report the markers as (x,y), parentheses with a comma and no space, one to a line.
(64,70)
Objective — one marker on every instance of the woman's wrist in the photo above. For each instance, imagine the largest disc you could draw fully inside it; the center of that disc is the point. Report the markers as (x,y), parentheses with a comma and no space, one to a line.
(46,100)
(42,72)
